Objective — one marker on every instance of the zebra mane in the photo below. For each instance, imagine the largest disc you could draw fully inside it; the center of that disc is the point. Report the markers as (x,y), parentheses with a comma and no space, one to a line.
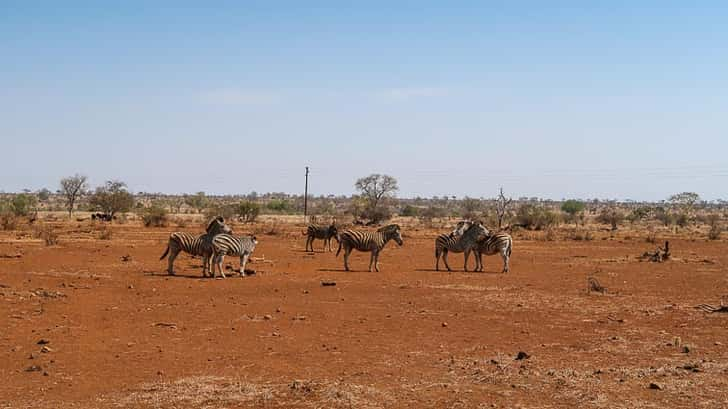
(388,228)
(215,220)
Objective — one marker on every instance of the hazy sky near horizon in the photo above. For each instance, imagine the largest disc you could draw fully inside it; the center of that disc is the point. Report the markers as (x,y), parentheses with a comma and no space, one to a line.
(619,99)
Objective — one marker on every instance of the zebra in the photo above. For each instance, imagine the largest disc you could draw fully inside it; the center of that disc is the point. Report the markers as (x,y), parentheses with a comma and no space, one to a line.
(368,241)
(462,240)
(493,244)
(195,245)
(324,233)
(224,244)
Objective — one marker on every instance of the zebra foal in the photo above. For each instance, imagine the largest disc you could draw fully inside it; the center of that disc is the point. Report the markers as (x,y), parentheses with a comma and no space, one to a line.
(324,233)
(194,245)
(365,241)
(462,240)
(497,243)
(226,244)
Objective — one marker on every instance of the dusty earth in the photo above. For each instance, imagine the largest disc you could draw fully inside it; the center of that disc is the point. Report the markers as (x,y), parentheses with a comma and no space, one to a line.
(80,327)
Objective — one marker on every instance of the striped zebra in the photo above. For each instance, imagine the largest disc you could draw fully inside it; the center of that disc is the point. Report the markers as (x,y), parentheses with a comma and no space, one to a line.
(225,244)
(373,242)
(195,245)
(462,240)
(494,244)
(324,233)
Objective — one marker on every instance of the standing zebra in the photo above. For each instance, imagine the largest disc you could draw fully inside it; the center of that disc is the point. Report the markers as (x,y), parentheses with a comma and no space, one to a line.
(195,245)
(493,244)
(224,244)
(368,241)
(324,233)
(462,240)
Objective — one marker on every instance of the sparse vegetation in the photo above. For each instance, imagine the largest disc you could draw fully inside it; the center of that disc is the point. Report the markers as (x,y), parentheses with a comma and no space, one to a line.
(573,208)
(535,217)
(611,216)
(154,216)
(112,198)
(72,188)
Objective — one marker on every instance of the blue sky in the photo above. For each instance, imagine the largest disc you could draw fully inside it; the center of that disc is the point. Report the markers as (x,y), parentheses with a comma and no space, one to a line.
(619,99)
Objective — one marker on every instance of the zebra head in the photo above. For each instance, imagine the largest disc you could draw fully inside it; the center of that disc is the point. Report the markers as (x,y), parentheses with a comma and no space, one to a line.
(217,226)
(392,232)
(461,228)
(478,230)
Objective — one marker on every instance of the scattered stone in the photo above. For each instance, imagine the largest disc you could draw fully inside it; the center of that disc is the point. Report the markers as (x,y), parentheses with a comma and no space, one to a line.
(677,341)
(33,368)
(130,286)
(328,283)
(275,334)
(45,349)
(718,343)
(46,374)
(444,324)
(126,258)
(278,309)
(686,349)
(267,317)
(656,386)
(43,342)
(522,355)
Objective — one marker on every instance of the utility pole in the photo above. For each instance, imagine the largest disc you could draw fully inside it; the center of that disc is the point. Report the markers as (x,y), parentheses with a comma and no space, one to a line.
(305,198)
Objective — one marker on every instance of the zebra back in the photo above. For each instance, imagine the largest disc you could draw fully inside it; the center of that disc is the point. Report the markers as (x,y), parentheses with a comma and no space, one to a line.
(226,244)
(368,240)
(496,243)
(321,232)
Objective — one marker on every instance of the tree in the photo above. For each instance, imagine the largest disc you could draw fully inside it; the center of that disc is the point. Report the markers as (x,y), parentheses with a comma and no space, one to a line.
(501,207)
(247,211)
(470,208)
(684,203)
(375,189)
(44,194)
(611,216)
(73,187)
(22,204)
(197,201)
(112,198)
(572,208)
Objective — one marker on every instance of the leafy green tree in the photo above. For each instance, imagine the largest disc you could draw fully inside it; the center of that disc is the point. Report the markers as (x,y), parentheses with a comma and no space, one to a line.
(198,201)
(375,189)
(23,204)
(573,208)
(112,198)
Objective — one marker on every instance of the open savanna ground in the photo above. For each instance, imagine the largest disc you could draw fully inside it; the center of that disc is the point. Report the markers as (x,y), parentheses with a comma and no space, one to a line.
(95,322)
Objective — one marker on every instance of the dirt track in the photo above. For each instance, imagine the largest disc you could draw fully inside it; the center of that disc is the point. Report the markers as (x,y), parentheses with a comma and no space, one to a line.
(124,334)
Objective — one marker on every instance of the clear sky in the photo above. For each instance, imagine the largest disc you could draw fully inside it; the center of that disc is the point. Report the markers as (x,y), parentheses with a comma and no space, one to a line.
(557,99)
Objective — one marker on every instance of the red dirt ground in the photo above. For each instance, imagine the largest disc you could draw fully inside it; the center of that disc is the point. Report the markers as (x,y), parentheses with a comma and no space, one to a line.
(123,334)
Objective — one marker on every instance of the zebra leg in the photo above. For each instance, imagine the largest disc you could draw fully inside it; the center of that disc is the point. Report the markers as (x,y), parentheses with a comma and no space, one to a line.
(504,254)
(205,264)
(437,259)
(243,261)
(467,256)
(308,243)
(173,252)
(347,251)
(374,258)
(444,258)
(219,265)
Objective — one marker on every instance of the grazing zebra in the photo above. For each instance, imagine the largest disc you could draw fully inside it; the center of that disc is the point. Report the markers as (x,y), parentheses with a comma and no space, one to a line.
(493,244)
(195,245)
(324,233)
(368,241)
(224,244)
(462,240)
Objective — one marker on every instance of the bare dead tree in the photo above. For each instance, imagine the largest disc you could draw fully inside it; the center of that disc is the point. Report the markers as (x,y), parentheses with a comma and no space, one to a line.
(501,207)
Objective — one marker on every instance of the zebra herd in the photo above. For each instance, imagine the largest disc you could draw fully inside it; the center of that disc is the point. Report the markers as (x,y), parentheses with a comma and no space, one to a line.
(468,236)
(218,241)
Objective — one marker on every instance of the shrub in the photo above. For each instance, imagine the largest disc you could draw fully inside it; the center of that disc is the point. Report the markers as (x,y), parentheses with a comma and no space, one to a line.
(536,217)
(572,208)
(714,232)
(651,237)
(154,216)
(682,219)
(278,206)
(637,214)
(22,204)
(247,211)
(409,211)
(112,198)
(664,216)
(611,216)
(8,220)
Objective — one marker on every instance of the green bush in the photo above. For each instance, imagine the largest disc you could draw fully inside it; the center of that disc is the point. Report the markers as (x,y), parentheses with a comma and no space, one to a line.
(572,208)
(23,204)
(611,216)
(536,217)
(279,206)
(154,216)
(409,211)
(247,211)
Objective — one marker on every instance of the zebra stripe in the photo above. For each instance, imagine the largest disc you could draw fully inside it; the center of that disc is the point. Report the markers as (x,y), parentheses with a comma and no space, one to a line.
(462,240)
(367,241)
(324,233)
(493,244)
(194,245)
(225,244)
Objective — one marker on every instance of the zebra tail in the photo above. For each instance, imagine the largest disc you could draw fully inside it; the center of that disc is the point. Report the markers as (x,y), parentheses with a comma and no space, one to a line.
(339,250)
(165,253)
